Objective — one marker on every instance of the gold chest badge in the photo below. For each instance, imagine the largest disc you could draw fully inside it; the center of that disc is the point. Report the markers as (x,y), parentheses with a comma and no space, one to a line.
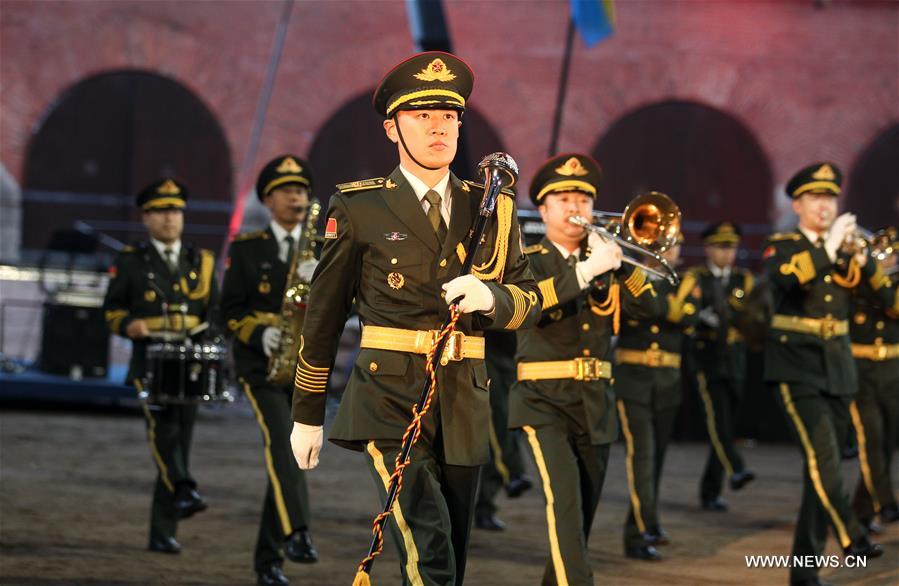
(860,318)
(396,280)
(265,287)
(149,296)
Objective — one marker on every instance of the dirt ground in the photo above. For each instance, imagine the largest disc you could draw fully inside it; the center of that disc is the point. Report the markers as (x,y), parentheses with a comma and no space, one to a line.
(75,496)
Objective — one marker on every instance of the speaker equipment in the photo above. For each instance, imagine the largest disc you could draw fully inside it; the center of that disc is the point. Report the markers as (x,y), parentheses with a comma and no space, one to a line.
(75,338)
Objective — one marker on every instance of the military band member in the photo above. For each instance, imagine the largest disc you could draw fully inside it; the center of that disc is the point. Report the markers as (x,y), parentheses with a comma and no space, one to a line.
(720,354)
(874,331)
(506,466)
(648,391)
(395,245)
(808,361)
(252,295)
(163,287)
(563,398)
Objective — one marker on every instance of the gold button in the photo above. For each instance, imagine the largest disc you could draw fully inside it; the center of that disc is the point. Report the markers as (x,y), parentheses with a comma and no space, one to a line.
(586,352)
(586,327)
(827,279)
(373,367)
(654,345)
(393,261)
(828,298)
(443,263)
(879,325)
(654,329)
(443,294)
(783,339)
(878,341)
(175,287)
(444,361)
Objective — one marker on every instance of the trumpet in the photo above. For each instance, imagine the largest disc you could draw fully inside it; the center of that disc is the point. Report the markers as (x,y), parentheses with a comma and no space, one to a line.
(648,226)
(882,243)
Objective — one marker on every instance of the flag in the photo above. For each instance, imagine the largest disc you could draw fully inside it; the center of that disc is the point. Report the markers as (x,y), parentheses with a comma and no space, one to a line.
(594,19)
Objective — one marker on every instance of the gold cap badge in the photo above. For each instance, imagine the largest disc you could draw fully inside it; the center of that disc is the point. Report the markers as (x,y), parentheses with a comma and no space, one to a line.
(824,173)
(288,165)
(435,71)
(168,188)
(572,167)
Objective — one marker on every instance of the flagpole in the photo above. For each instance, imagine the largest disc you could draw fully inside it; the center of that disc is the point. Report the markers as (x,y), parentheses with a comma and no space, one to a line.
(563,86)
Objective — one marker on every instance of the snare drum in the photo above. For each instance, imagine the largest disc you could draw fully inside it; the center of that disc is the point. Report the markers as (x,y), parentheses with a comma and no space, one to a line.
(185,373)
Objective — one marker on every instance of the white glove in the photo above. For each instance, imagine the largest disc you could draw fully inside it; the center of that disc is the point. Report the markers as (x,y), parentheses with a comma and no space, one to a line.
(841,229)
(476,296)
(605,255)
(271,337)
(709,317)
(306,443)
(306,268)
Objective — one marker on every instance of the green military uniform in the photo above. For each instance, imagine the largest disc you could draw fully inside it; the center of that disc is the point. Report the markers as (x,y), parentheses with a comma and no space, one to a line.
(808,363)
(720,354)
(648,391)
(874,331)
(252,295)
(382,251)
(506,465)
(170,299)
(563,398)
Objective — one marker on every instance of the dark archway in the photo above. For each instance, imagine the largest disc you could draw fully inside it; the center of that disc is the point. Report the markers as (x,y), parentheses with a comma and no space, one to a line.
(351,145)
(108,136)
(874,182)
(705,159)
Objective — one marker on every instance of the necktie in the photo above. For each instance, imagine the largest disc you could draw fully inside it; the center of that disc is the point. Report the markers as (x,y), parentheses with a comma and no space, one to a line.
(433,199)
(288,257)
(170,260)
(572,260)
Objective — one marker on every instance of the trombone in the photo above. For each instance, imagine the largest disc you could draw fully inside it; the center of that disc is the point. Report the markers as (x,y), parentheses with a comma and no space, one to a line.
(649,226)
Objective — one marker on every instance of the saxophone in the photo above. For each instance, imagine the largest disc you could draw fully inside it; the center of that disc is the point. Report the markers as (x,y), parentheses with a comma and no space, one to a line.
(282,363)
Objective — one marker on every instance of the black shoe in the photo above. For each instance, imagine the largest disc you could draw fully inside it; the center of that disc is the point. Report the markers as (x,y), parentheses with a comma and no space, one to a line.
(298,548)
(164,545)
(489,522)
(656,536)
(189,502)
(741,479)
(643,552)
(816,581)
(889,514)
(871,526)
(714,504)
(272,575)
(518,486)
(862,547)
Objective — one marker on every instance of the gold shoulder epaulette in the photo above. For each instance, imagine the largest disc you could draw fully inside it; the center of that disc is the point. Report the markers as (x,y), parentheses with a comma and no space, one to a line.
(251,236)
(505,190)
(535,248)
(361,185)
(780,236)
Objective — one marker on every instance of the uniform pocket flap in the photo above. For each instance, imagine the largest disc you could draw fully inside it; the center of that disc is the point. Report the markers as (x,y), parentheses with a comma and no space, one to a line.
(383,362)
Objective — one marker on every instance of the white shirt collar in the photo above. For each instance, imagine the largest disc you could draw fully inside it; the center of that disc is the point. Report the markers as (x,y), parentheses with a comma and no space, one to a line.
(811,234)
(280,233)
(562,250)
(160,247)
(420,187)
(718,273)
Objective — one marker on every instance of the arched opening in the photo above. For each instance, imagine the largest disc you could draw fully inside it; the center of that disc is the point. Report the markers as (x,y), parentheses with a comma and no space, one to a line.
(705,159)
(351,145)
(874,182)
(107,137)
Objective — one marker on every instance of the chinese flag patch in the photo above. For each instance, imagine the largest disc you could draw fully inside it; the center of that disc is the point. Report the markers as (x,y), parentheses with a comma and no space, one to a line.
(768,252)
(331,228)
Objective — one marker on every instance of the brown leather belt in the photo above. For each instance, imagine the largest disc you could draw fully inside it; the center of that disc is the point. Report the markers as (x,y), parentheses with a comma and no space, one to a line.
(653,358)
(875,352)
(458,347)
(823,327)
(581,369)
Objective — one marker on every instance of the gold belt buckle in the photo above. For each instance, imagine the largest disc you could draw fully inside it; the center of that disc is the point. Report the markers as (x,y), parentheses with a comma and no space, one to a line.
(453,349)
(587,369)
(881,352)
(828,328)
(653,358)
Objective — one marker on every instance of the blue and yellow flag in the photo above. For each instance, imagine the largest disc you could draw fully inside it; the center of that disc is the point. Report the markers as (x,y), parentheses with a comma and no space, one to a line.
(594,19)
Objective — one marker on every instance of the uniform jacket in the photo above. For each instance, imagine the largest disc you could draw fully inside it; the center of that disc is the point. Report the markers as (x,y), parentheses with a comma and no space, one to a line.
(676,313)
(571,327)
(806,283)
(141,284)
(381,252)
(875,322)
